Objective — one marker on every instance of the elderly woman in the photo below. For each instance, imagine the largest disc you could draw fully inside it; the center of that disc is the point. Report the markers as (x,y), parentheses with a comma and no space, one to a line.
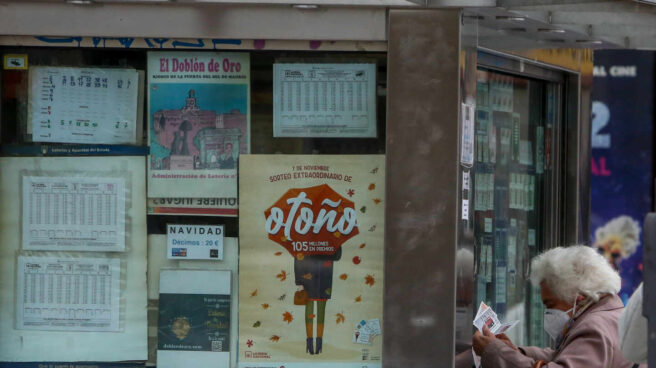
(578,289)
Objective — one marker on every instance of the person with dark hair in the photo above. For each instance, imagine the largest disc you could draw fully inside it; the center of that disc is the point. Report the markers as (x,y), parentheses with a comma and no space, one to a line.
(227,161)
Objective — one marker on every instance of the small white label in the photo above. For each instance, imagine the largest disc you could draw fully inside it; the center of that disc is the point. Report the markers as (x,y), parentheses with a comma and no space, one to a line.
(531,237)
(465,209)
(465,180)
(467,139)
(488,225)
(195,241)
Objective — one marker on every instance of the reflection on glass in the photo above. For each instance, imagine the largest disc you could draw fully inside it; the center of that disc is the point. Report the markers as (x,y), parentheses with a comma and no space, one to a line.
(514,120)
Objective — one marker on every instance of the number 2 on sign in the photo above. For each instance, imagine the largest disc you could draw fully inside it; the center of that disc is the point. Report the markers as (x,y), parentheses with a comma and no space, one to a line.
(600,118)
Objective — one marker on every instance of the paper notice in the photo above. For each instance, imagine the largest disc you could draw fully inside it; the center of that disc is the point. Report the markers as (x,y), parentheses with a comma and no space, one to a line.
(68,294)
(467,139)
(324,100)
(83,105)
(73,213)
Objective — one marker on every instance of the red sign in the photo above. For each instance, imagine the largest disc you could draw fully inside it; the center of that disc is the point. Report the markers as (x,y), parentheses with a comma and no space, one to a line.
(314,220)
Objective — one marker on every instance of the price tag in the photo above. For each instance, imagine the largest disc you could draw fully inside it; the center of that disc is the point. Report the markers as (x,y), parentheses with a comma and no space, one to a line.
(195,241)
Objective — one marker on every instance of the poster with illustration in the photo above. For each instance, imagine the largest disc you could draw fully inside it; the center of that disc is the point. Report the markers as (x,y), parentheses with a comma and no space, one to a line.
(199,123)
(621,163)
(311,260)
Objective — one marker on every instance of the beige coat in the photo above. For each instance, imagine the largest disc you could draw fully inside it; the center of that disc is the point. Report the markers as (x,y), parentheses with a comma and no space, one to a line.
(591,342)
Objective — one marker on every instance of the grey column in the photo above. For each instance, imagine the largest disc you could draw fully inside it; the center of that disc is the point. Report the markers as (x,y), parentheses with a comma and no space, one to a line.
(422,188)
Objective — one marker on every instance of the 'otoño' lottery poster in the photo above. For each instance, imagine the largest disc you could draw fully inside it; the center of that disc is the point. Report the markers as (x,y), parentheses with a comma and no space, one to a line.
(311,260)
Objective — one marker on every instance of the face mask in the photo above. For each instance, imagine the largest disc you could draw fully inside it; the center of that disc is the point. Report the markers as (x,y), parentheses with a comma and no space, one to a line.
(555,321)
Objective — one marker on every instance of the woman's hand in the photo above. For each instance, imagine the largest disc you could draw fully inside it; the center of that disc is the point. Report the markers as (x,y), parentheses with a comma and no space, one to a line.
(481,341)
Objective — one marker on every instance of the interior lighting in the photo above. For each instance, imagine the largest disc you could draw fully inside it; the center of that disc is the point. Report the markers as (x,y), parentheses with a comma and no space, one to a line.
(551,30)
(590,42)
(514,18)
(305,6)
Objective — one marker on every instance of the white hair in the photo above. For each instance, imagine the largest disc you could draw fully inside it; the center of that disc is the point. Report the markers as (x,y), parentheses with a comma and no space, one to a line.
(626,228)
(579,269)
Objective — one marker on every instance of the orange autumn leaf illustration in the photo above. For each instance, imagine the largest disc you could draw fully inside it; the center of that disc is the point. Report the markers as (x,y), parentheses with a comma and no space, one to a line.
(363,245)
(340,318)
(265,306)
(287,317)
(274,338)
(377,200)
(369,280)
(343,276)
(358,299)
(283,238)
(372,186)
(254,292)
(307,276)
(300,256)
(277,253)
(337,234)
(311,316)
(282,275)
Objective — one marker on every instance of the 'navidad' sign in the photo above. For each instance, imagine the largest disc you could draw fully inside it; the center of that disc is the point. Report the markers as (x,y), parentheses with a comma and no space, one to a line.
(195,241)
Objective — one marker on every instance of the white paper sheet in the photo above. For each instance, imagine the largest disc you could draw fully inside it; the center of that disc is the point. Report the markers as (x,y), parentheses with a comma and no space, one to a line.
(83,105)
(128,344)
(467,140)
(73,213)
(324,100)
(68,294)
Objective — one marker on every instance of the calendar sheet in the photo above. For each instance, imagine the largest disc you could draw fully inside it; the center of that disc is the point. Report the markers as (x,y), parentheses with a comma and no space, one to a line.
(324,100)
(73,213)
(83,105)
(68,294)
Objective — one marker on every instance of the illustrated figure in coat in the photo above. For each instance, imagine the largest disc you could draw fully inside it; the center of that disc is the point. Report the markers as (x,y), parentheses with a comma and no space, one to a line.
(314,274)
